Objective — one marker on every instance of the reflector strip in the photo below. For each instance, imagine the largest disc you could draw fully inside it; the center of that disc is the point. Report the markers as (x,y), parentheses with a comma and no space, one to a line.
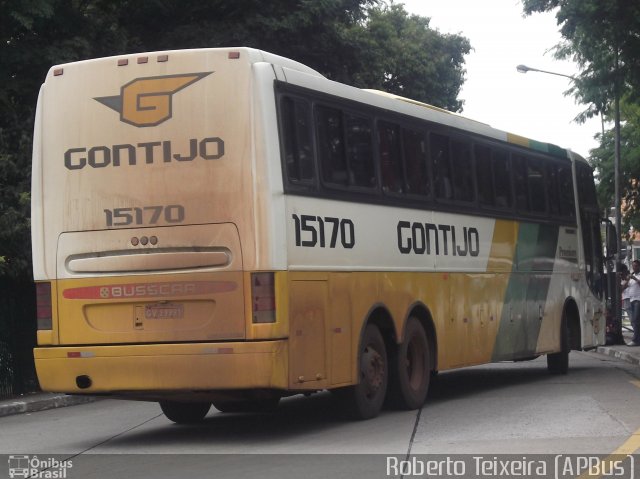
(81,354)
(217,351)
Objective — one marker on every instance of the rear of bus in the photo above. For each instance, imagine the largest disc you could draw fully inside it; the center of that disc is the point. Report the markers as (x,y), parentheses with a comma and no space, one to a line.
(145,216)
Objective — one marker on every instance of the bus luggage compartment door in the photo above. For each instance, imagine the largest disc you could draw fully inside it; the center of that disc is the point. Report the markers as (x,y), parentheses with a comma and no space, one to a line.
(307,354)
(166,284)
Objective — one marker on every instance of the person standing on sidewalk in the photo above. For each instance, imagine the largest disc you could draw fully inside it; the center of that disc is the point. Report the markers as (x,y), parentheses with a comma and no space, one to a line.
(631,288)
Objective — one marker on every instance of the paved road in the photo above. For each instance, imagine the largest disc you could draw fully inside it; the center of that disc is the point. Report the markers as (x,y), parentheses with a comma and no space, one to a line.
(494,409)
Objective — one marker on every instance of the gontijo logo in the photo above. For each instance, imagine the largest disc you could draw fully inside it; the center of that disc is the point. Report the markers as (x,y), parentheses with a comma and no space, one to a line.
(148,101)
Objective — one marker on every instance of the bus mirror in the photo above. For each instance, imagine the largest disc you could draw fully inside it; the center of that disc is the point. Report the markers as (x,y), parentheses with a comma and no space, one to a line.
(611,239)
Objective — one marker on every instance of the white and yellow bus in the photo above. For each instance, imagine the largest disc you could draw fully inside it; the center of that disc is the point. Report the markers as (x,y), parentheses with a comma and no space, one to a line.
(229,227)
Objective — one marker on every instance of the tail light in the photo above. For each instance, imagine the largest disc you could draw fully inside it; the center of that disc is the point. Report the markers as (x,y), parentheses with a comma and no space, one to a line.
(263,297)
(43,305)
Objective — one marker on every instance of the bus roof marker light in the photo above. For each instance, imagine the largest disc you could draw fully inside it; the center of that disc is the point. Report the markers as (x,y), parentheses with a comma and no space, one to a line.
(234,55)
(143,60)
(163,58)
(123,62)
(58,71)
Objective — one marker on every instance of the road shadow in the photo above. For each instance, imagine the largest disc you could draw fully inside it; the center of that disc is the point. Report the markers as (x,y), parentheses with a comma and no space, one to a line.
(320,413)
(476,380)
(294,416)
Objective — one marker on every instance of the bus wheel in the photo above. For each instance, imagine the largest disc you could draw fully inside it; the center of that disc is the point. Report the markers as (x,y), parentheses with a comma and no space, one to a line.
(365,399)
(247,405)
(411,369)
(185,412)
(558,363)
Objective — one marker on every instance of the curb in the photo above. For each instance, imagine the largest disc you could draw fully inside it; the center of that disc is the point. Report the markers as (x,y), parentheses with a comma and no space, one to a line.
(622,355)
(34,404)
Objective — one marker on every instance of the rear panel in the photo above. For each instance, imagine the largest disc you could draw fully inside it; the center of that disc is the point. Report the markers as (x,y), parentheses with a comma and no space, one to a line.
(145,171)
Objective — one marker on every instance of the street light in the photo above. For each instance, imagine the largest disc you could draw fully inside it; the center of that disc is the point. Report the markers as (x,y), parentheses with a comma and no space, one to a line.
(525,69)
(616,173)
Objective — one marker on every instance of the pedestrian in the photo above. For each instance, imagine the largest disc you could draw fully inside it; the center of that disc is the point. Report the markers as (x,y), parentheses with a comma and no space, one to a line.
(624,277)
(631,290)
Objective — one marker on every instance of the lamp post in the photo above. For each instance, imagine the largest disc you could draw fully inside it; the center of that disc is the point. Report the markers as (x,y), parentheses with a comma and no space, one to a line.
(525,69)
(616,176)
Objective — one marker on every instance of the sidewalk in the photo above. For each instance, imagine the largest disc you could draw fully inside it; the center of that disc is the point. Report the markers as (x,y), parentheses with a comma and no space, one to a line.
(42,401)
(630,354)
(39,402)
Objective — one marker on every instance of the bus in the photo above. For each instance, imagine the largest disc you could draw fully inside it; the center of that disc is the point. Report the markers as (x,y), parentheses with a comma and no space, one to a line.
(228,227)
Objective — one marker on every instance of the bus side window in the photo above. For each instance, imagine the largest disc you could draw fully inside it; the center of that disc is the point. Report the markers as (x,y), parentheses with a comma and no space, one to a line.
(520,183)
(360,151)
(567,198)
(484,175)
(330,133)
(390,158)
(416,163)
(442,169)
(463,171)
(502,179)
(298,150)
(552,189)
(536,185)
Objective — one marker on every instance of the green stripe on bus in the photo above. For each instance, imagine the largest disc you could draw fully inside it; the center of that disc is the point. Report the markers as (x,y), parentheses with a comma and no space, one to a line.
(548,148)
(526,293)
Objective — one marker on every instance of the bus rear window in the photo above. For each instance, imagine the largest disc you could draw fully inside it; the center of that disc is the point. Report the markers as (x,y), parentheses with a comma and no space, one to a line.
(441,166)
(298,147)
(345,146)
(390,158)
(330,133)
(463,171)
(415,151)
(502,179)
(360,151)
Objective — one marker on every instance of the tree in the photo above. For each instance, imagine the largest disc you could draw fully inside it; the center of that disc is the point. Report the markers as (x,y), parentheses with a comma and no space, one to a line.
(34,35)
(360,42)
(602,160)
(602,37)
(400,54)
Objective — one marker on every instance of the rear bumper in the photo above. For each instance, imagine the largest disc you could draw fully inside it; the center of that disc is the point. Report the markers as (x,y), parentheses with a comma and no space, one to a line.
(164,367)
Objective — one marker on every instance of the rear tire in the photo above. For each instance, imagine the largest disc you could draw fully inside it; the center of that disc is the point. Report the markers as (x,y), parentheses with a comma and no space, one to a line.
(558,363)
(185,412)
(364,400)
(411,368)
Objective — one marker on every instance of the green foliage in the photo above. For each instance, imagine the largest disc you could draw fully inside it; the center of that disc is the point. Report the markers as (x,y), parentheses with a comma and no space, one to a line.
(402,55)
(364,43)
(603,37)
(602,160)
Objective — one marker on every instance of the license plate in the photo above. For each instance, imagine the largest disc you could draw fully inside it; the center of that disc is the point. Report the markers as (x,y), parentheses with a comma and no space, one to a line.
(164,311)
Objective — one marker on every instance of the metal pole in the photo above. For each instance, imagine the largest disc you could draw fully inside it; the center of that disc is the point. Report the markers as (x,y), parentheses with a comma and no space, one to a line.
(616,178)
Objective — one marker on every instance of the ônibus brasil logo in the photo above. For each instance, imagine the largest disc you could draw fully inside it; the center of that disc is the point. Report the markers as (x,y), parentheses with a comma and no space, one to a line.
(32,467)
(148,101)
